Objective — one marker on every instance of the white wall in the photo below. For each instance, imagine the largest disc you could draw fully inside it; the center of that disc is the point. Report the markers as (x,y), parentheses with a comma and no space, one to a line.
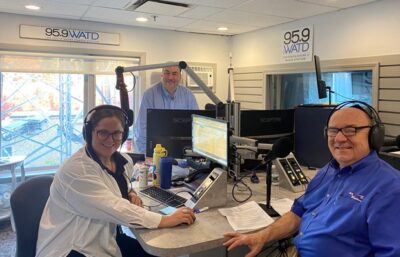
(368,30)
(159,46)
(363,31)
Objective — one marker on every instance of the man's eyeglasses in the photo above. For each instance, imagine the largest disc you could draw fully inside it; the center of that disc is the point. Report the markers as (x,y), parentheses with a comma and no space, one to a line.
(347,131)
(104,134)
(168,73)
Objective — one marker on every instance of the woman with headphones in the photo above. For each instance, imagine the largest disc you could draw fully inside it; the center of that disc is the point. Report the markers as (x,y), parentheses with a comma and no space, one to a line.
(91,196)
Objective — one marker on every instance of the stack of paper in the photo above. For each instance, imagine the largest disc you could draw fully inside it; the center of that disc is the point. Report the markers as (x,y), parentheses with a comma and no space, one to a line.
(246,217)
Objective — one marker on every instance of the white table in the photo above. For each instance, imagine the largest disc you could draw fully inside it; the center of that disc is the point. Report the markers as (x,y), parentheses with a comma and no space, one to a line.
(10,164)
(205,236)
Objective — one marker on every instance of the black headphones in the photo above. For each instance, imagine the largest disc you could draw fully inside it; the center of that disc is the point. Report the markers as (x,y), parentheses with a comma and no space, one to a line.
(376,133)
(87,125)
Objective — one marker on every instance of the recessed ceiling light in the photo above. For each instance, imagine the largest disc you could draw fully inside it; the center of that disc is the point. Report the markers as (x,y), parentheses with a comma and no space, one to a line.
(32,7)
(222,28)
(141,19)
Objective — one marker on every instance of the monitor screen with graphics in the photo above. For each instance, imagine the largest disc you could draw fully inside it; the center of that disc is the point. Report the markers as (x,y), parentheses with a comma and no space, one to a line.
(210,138)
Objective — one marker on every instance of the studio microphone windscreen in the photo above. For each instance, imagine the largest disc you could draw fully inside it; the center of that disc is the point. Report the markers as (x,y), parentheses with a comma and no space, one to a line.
(282,147)
(392,142)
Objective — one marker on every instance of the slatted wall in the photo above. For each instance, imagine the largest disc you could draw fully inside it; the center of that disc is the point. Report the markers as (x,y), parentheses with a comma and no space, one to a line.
(250,90)
(250,85)
(389,96)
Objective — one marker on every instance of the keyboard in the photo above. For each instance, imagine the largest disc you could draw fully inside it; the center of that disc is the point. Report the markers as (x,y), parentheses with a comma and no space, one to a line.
(164,196)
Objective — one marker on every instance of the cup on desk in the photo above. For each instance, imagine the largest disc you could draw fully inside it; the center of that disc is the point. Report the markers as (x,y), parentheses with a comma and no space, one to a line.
(165,172)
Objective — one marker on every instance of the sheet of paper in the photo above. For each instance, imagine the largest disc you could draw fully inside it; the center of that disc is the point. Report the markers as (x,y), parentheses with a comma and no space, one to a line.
(396,152)
(246,217)
(282,206)
(179,171)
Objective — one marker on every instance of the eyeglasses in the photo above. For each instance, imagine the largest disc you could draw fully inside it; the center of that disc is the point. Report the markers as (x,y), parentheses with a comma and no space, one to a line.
(347,131)
(104,134)
(174,73)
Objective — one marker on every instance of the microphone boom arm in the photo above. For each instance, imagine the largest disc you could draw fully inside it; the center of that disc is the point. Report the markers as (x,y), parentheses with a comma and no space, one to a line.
(183,65)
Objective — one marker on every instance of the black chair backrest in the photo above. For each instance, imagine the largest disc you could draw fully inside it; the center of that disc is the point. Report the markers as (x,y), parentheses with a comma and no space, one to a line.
(27,204)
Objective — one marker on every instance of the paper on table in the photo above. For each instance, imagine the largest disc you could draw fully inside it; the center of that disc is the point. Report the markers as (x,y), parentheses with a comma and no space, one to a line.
(246,217)
(396,152)
(179,171)
(282,206)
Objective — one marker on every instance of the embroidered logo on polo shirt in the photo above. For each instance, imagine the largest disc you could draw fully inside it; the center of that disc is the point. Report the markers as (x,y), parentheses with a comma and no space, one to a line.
(356,196)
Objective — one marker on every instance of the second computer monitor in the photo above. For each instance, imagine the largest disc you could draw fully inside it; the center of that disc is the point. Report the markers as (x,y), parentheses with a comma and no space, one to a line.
(266,125)
(172,129)
(210,138)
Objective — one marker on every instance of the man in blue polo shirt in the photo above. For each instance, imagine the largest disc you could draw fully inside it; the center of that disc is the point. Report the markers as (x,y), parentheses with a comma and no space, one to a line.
(351,206)
(166,94)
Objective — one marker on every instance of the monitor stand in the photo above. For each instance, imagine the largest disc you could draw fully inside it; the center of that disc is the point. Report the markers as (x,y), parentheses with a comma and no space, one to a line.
(196,182)
(269,210)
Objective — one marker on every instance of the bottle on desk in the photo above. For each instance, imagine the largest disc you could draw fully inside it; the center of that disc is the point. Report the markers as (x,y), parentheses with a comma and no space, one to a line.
(159,152)
(275,175)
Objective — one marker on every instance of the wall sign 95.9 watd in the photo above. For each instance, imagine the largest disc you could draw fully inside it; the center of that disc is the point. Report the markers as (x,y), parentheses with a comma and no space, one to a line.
(297,44)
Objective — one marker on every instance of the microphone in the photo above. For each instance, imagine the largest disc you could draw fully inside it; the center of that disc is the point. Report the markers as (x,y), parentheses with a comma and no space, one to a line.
(209,106)
(123,94)
(281,148)
(392,141)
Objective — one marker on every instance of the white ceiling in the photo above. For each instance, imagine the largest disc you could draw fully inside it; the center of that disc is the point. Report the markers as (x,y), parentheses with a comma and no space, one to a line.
(201,16)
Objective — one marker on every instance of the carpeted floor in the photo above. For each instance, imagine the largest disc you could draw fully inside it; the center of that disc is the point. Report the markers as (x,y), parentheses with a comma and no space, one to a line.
(7,239)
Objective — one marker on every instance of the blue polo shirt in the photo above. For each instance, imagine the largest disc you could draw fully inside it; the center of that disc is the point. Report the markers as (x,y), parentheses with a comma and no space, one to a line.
(352,211)
(157,97)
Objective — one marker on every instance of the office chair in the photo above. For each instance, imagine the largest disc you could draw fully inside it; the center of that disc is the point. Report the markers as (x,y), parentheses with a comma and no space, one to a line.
(27,204)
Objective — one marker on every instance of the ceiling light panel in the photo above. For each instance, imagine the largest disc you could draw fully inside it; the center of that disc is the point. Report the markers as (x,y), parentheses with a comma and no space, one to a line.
(200,12)
(211,27)
(161,8)
(338,3)
(116,4)
(246,18)
(284,8)
(220,3)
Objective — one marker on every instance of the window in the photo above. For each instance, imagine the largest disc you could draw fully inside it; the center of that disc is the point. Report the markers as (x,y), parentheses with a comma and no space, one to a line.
(107,94)
(42,102)
(285,91)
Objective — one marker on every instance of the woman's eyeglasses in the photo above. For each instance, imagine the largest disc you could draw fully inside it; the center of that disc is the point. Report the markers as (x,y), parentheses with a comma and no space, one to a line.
(104,134)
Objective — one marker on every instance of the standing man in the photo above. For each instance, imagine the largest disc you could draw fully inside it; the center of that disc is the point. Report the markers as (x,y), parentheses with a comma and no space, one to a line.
(166,94)
(351,207)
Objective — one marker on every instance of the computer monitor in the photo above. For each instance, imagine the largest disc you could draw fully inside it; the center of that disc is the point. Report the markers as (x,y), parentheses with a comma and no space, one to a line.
(321,86)
(310,145)
(172,129)
(266,125)
(210,138)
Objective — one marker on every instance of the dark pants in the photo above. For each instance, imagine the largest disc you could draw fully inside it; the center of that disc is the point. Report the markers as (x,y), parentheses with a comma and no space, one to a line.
(129,247)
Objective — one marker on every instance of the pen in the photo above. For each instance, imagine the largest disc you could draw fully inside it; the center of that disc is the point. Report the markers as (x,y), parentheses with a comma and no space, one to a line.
(200,210)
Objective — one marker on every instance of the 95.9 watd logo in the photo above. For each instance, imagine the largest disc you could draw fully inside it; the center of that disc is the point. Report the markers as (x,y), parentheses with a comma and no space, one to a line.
(69,34)
(297,44)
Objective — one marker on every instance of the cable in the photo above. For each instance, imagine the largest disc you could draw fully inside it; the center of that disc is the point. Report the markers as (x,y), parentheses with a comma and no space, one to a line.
(345,97)
(134,82)
(236,184)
